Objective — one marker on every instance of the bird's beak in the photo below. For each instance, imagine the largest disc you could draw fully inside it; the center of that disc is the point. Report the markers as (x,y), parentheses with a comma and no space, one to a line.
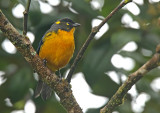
(76,24)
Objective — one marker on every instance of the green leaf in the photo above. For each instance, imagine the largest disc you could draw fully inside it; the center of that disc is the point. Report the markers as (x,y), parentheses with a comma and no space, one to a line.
(108,6)
(97,62)
(119,39)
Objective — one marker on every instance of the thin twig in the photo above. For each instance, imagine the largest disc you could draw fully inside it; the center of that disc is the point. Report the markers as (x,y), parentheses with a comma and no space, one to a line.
(90,37)
(25,13)
(118,97)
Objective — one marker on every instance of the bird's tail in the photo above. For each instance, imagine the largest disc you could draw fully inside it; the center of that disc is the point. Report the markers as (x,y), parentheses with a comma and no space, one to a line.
(43,89)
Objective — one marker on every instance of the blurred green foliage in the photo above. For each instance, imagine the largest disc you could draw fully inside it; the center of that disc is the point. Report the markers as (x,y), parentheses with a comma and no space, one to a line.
(20,82)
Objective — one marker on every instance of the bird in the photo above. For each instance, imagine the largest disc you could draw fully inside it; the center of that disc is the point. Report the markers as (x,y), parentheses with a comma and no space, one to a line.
(56,48)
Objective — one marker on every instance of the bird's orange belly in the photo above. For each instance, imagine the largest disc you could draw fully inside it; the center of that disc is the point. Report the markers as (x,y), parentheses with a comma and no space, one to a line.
(57,52)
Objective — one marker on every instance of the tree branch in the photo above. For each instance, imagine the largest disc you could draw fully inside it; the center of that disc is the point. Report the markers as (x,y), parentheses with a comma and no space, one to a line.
(25,13)
(90,37)
(118,97)
(23,45)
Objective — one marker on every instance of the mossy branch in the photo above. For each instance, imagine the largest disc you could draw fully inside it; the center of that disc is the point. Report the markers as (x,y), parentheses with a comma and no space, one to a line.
(23,45)
(118,97)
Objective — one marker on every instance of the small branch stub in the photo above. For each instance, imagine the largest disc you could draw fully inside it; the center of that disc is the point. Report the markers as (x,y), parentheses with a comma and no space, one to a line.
(95,29)
(158,48)
(25,13)
(127,1)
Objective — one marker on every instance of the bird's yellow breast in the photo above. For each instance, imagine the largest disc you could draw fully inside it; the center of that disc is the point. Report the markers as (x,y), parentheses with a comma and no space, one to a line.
(57,48)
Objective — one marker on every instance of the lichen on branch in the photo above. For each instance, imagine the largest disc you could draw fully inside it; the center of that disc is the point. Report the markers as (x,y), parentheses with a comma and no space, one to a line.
(118,97)
(23,45)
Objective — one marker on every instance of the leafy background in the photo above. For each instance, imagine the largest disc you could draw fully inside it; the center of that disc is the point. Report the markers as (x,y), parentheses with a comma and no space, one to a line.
(18,75)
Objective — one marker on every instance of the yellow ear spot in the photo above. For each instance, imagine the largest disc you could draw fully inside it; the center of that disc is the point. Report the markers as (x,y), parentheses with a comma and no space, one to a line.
(58,22)
(48,34)
(67,24)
